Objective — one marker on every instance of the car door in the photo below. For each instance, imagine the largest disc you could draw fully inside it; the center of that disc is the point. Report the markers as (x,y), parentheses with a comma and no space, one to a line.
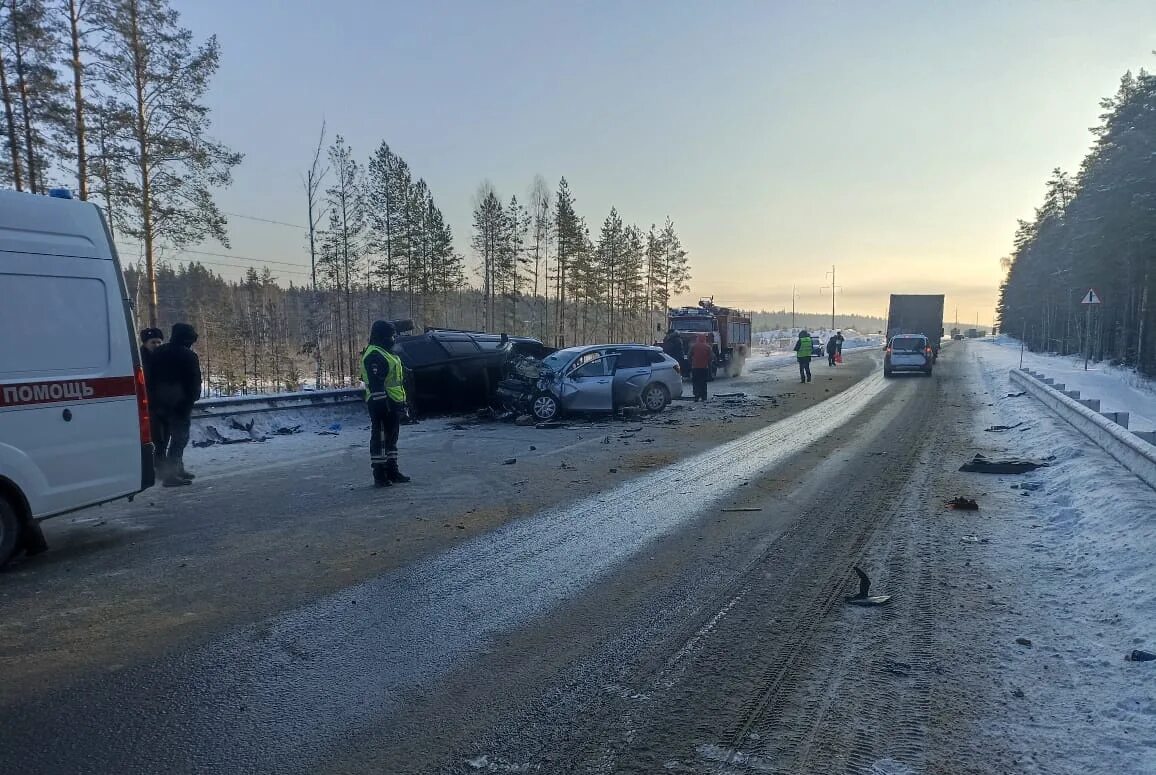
(590,386)
(632,372)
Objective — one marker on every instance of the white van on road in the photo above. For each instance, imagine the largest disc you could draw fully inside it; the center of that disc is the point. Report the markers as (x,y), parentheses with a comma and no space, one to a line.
(74,428)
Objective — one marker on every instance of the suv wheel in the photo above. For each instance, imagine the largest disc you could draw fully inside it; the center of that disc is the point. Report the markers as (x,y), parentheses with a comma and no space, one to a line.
(655,397)
(545,407)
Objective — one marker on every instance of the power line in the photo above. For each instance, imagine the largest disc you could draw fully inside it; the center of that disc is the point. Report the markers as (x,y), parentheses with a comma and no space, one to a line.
(268,220)
(234,256)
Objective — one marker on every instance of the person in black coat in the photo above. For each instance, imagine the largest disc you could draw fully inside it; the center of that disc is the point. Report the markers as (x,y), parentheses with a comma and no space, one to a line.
(832,349)
(176,386)
(673,346)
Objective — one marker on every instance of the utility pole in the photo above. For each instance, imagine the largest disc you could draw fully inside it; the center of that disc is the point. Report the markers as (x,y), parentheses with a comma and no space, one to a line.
(794,295)
(833,288)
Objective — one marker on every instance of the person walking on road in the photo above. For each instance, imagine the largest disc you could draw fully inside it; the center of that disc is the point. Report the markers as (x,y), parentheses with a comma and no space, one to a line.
(384,378)
(175,387)
(839,349)
(701,356)
(832,349)
(803,350)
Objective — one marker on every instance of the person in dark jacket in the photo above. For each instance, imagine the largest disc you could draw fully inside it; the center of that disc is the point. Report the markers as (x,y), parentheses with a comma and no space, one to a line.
(673,346)
(832,349)
(150,340)
(701,357)
(384,378)
(803,350)
(839,336)
(176,386)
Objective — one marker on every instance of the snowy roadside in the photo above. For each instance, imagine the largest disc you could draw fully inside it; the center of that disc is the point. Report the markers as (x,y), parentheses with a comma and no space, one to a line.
(1119,389)
(1068,569)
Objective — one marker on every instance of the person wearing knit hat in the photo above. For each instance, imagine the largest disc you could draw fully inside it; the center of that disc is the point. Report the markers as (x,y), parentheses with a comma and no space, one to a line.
(176,387)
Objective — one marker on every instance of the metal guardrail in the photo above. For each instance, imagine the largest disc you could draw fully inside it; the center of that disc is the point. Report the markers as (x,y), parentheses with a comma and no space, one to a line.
(1130,450)
(234,405)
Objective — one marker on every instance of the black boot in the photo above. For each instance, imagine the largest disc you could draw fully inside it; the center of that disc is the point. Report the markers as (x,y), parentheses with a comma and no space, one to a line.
(184,474)
(380,477)
(169,473)
(394,475)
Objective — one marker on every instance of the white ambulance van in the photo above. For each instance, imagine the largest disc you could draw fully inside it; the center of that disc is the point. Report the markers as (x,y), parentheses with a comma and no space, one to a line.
(74,428)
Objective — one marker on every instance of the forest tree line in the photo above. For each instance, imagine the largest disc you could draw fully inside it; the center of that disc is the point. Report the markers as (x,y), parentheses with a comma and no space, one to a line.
(1095,230)
(107,98)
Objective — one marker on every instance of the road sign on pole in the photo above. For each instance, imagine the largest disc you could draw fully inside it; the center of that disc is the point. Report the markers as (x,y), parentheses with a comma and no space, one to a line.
(1090,299)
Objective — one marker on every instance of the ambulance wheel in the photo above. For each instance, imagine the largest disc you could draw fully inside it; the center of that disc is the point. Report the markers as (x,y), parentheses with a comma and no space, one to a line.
(10,529)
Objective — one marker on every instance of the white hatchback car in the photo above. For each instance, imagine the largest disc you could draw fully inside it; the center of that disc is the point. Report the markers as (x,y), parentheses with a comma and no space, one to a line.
(74,428)
(908,352)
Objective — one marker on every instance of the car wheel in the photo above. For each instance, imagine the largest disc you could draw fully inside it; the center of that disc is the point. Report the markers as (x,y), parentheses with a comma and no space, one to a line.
(10,529)
(545,407)
(655,397)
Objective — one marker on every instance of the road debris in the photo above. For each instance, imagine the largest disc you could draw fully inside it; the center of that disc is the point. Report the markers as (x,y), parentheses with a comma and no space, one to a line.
(1024,642)
(1001,428)
(1138,655)
(509,461)
(982,464)
(960,503)
(741,509)
(864,597)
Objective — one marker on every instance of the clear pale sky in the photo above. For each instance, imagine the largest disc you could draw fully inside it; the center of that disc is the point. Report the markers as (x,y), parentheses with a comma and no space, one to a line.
(899,141)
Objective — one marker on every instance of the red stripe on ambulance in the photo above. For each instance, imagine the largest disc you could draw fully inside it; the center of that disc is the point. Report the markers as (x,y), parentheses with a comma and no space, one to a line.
(31,393)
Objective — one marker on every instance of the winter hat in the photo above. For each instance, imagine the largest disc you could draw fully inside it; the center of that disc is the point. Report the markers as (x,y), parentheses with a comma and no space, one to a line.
(183,334)
(151,333)
(381,333)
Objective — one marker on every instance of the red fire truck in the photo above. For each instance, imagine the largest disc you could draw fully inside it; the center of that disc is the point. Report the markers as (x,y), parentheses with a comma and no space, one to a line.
(729,331)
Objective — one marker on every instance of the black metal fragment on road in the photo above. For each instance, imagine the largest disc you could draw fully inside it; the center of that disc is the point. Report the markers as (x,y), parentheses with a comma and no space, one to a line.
(984,465)
(1138,655)
(960,503)
(1000,428)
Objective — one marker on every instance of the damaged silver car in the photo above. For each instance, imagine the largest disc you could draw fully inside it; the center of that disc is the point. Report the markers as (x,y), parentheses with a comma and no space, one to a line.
(594,378)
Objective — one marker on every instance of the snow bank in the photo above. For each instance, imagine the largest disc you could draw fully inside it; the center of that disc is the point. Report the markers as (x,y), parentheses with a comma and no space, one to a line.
(1080,582)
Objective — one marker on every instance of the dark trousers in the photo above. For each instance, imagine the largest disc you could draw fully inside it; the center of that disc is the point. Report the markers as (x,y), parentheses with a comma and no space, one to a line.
(831,357)
(171,429)
(385,427)
(698,380)
(805,369)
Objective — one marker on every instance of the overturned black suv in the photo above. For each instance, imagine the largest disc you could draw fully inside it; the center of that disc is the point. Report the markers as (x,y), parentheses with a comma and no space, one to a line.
(457,371)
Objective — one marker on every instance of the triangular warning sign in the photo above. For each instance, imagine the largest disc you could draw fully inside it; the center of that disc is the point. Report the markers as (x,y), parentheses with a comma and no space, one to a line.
(1091,298)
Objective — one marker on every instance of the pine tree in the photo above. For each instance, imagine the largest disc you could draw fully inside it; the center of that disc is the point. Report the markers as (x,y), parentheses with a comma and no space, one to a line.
(79,17)
(344,246)
(542,237)
(34,97)
(512,260)
(571,240)
(155,81)
(388,192)
(489,229)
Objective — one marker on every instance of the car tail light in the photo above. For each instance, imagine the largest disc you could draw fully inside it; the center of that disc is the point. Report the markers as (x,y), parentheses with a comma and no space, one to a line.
(142,408)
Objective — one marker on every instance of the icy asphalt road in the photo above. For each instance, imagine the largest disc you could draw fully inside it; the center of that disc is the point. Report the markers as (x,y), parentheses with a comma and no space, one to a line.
(647,627)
